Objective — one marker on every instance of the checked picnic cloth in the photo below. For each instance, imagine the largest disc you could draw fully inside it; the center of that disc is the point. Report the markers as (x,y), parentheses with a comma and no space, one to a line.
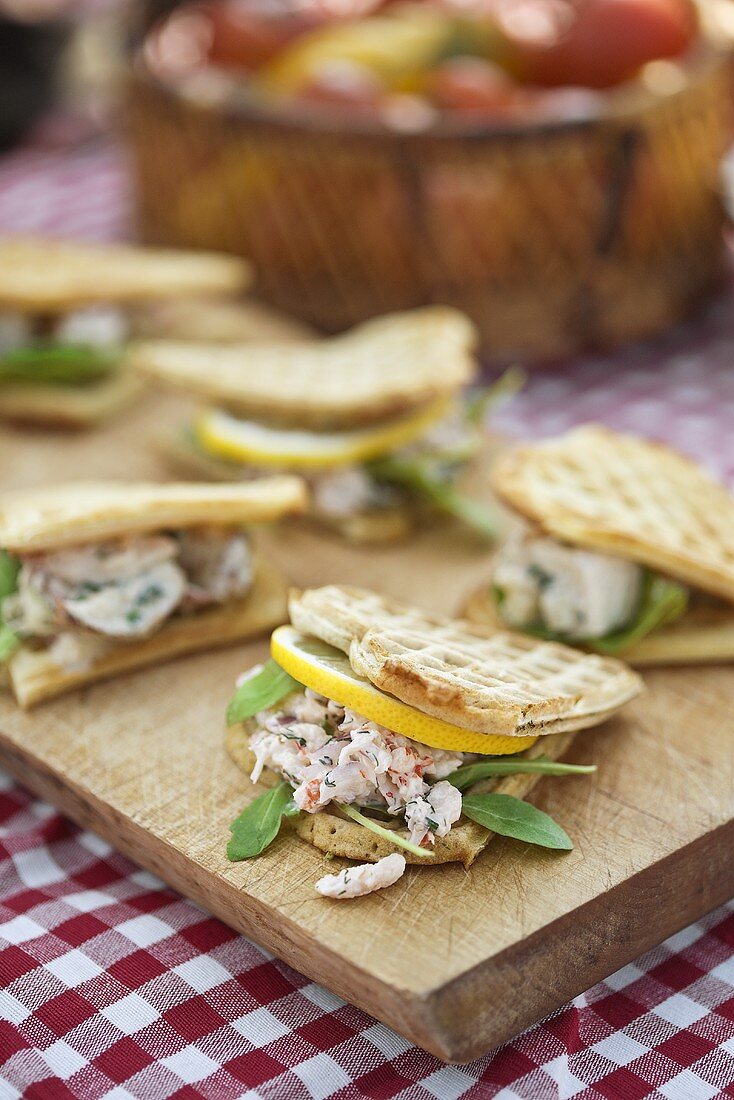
(112,985)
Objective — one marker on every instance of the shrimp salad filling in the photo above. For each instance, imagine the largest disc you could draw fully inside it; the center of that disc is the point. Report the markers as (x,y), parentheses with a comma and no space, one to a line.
(329,753)
(79,601)
(323,755)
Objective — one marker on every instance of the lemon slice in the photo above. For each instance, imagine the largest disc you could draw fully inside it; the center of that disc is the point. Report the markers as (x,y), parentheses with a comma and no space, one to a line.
(327,671)
(393,48)
(226,436)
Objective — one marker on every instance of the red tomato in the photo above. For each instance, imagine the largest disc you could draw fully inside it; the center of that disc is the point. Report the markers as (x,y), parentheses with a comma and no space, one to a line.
(245,35)
(471,84)
(604,42)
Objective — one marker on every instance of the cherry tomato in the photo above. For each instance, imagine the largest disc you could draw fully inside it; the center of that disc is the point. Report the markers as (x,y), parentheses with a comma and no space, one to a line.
(471,84)
(247,34)
(595,43)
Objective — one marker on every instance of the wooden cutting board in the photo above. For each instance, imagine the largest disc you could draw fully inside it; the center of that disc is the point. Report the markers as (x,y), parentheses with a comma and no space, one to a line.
(458,961)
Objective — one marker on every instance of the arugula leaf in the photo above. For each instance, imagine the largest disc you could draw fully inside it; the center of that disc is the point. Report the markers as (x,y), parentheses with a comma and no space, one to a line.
(487,398)
(469,774)
(259,823)
(9,569)
(662,602)
(508,816)
(9,642)
(431,478)
(58,364)
(431,474)
(386,834)
(259,692)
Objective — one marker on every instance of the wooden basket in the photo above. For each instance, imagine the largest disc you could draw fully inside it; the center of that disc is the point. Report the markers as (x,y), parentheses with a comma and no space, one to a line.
(553,236)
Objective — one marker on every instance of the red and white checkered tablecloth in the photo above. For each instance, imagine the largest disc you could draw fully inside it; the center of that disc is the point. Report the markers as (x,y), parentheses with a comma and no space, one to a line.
(112,985)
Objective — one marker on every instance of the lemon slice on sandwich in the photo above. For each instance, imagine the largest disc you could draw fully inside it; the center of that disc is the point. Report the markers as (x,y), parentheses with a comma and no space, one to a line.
(327,671)
(246,441)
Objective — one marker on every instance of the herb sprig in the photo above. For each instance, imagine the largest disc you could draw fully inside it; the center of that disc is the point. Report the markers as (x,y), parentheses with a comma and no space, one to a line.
(432,478)
(386,834)
(469,774)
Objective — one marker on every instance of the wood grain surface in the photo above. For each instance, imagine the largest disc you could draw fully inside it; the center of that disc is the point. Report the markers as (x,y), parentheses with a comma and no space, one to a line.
(458,961)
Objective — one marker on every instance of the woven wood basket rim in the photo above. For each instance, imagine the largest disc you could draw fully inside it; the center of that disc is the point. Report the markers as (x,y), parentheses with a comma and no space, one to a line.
(622,107)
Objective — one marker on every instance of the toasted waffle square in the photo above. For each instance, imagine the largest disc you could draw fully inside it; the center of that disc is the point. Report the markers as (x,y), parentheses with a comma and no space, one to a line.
(39,275)
(222,321)
(625,496)
(377,370)
(490,682)
(87,511)
(72,407)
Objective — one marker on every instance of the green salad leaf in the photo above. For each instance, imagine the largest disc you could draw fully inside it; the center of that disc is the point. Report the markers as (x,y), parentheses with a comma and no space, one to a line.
(509,816)
(259,823)
(263,690)
(480,402)
(386,834)
(469,774)
(9,642)
(58,364)
(432,479)
(9,569)
(431,474)
(662,602)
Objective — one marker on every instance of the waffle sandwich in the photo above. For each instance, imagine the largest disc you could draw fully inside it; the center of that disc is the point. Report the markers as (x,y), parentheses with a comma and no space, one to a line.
(372,718)
(66,312)
(623,546)
(99,578)
(373,419)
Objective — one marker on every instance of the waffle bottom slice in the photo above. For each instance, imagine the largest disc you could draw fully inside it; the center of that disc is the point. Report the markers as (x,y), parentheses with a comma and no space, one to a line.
(394,363)
(338,836)
(35,678)
(69,406)
(704,635)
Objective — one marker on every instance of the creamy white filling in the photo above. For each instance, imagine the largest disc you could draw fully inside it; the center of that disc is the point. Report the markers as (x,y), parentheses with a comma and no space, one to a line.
(109,562)
(217,568)
(96,326)
(347,491)
(124,588)
(571,592)
(15,331)
(131,607)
